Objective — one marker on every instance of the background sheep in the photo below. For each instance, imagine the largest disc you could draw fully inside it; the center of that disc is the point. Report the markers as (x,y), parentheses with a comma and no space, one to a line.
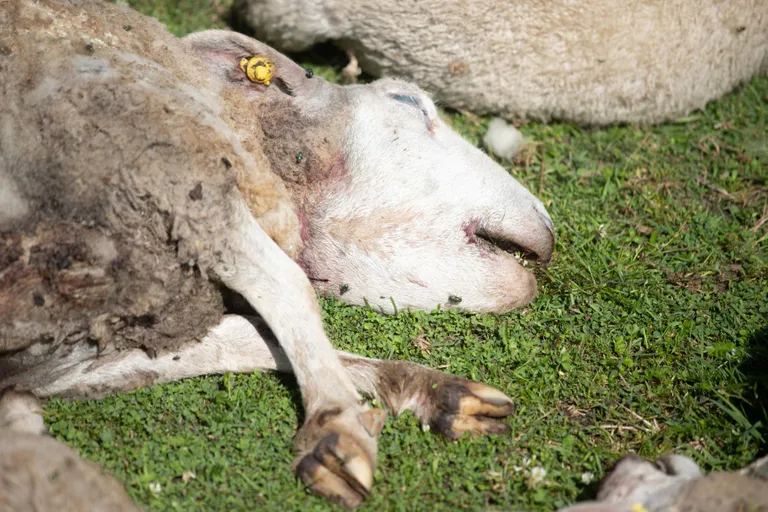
(41,474)
(675,483)
(593,62)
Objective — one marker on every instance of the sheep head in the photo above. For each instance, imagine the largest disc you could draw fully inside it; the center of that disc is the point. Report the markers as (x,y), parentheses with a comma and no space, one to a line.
(396,209)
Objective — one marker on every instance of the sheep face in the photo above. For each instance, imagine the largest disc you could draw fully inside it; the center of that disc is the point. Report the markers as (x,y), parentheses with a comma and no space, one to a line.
(414,216)
(395,208)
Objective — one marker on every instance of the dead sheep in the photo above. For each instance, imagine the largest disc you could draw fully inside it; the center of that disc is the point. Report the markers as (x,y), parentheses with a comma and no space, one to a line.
(41,474)
(153,187)
(676,483)
(594,62)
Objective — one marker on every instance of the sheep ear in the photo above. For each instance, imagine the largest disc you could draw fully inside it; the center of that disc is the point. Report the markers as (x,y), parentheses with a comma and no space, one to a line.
(236,60)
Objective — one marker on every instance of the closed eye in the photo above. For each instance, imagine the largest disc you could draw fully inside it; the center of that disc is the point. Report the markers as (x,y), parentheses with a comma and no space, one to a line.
(414,102)
(407,99)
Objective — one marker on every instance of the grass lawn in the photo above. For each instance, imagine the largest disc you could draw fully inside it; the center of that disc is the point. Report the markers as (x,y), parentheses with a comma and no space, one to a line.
(650,334)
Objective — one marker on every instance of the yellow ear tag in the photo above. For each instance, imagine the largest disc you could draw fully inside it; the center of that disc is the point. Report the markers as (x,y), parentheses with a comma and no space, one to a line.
(259,70)
(638,507)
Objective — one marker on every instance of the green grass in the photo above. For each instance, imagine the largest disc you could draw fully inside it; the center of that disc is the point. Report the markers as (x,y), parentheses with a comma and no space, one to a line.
(649,335)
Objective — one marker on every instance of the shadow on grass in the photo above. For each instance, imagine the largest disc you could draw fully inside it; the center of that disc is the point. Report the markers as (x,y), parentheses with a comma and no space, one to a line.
(287,380)
(235,304)
(323,53)
(327,53)
(589,491)
(234,21)
(755,370)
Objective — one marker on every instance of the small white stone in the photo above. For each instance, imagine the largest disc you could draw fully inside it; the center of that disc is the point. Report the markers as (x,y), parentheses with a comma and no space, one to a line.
(537,476)
(502,139)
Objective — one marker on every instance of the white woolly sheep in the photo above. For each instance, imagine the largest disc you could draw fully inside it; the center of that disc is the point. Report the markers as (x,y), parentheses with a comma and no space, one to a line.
(591,62)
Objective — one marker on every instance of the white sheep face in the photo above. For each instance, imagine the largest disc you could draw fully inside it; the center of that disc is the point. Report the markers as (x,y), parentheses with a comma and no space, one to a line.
(396,209)
(418,217)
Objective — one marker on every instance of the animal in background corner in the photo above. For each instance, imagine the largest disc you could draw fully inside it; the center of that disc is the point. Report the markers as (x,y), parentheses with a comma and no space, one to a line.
(593,62)
(40,473)
(675,483)
(152,185)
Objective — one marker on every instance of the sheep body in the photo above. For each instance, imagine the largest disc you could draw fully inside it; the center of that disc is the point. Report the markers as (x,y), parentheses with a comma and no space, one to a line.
(124,160)
(675,483)
(594,62)
(40,473)
(43,474)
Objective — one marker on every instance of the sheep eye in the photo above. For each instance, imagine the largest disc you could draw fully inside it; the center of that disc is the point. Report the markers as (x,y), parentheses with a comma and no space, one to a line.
(416,103)
(411,100)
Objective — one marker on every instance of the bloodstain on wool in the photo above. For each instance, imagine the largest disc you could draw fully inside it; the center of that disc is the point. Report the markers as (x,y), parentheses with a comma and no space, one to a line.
(338,169)
(470,229)
(304,229)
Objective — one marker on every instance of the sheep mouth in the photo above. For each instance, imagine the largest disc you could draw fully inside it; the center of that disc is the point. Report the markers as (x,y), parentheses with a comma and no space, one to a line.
(523,255)
(533,245)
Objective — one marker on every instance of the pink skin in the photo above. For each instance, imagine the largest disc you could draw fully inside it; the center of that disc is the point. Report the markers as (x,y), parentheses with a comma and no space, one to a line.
(416,214)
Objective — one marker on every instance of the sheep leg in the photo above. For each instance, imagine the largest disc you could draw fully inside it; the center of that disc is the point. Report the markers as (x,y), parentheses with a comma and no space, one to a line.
(444,403)
(234,345)
(336,446)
